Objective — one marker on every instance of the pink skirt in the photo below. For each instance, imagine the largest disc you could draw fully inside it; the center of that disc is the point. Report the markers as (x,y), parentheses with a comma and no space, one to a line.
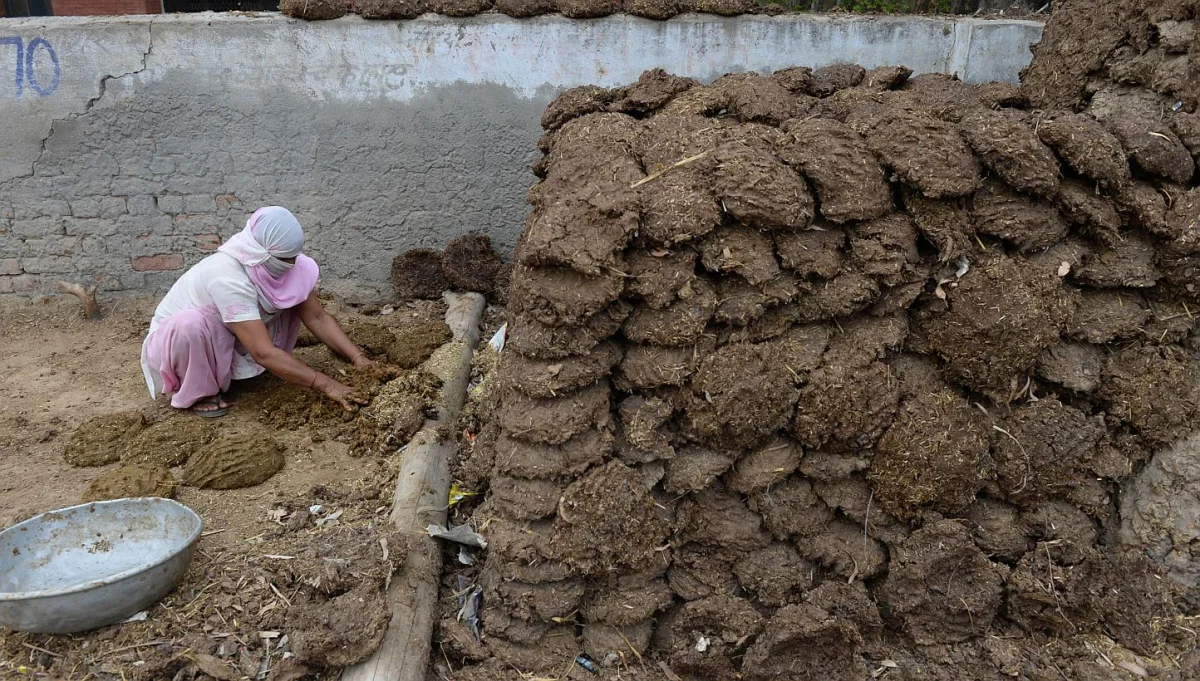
(192,355)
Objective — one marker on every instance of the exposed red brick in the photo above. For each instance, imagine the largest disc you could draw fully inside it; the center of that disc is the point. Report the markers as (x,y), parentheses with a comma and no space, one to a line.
(192,224)
(208,242)
(66,8)
(228,200)
(25,283)
(158,263)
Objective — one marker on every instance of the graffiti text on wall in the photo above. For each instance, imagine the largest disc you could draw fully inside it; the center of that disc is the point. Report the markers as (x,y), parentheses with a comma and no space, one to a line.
(36,65)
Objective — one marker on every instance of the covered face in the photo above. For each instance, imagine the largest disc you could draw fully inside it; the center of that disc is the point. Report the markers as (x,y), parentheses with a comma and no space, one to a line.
(270,248)
(279,235)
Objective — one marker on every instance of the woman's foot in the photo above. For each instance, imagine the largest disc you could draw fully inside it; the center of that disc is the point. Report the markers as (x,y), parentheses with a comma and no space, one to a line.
(211,407)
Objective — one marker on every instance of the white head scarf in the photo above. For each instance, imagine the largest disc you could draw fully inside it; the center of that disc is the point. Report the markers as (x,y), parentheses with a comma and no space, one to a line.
(276,234)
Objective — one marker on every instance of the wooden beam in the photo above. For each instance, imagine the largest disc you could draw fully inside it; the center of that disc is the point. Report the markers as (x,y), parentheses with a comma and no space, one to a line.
(422,495)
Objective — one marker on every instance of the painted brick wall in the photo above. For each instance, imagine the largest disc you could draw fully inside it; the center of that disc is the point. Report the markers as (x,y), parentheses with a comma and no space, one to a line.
(81,8)
(147,237)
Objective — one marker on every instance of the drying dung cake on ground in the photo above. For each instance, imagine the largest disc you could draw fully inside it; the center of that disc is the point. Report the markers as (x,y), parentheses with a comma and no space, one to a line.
(828,373)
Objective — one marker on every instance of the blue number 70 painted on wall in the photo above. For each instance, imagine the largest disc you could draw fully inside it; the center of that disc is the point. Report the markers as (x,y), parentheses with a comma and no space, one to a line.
(25,71)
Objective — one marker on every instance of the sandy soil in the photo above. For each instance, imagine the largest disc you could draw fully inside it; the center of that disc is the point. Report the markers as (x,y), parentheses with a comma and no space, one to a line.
(58,370)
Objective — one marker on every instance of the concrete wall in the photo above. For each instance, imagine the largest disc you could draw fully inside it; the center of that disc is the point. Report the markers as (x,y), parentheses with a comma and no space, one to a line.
(129,147)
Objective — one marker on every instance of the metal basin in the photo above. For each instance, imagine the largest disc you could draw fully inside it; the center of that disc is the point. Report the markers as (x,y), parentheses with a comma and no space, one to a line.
(91,565)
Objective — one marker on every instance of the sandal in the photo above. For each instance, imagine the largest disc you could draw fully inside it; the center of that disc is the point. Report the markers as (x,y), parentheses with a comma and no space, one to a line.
(215,401)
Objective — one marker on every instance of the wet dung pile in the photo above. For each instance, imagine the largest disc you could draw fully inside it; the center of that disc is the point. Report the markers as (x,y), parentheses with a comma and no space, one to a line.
(406,347)
(373,339)
(396,400)
(814,373)
(415,344)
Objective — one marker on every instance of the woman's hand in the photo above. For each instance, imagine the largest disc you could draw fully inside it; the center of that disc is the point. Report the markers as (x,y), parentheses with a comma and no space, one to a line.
(341,393)
(257,340)
(327,330)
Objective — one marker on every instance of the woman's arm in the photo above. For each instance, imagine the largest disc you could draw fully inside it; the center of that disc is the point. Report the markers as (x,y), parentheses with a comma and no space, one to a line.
(254,337)
(328,331)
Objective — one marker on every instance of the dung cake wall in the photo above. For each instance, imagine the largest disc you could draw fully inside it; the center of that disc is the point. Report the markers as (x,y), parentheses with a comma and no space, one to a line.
(823,367)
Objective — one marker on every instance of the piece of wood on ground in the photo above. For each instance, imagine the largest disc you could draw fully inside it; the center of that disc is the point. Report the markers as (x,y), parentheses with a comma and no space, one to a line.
(86,295)
(422,490)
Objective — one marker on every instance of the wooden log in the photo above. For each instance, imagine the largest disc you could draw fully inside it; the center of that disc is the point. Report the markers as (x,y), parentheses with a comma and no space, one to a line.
(87,296)
(422,493)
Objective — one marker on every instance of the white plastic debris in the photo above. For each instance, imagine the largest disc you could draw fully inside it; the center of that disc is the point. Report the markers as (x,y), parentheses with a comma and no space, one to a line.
(465,557)
(497,341)
(140,617)
(316,509)
(330,520)
(702,644)
(462,534)
(1133,668)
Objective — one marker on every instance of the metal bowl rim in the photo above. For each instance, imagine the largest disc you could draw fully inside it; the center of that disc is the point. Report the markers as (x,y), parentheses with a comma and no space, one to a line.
(7,596)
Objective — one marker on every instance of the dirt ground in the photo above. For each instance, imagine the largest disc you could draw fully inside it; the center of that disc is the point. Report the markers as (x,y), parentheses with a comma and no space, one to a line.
(324,512)
(58,370)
